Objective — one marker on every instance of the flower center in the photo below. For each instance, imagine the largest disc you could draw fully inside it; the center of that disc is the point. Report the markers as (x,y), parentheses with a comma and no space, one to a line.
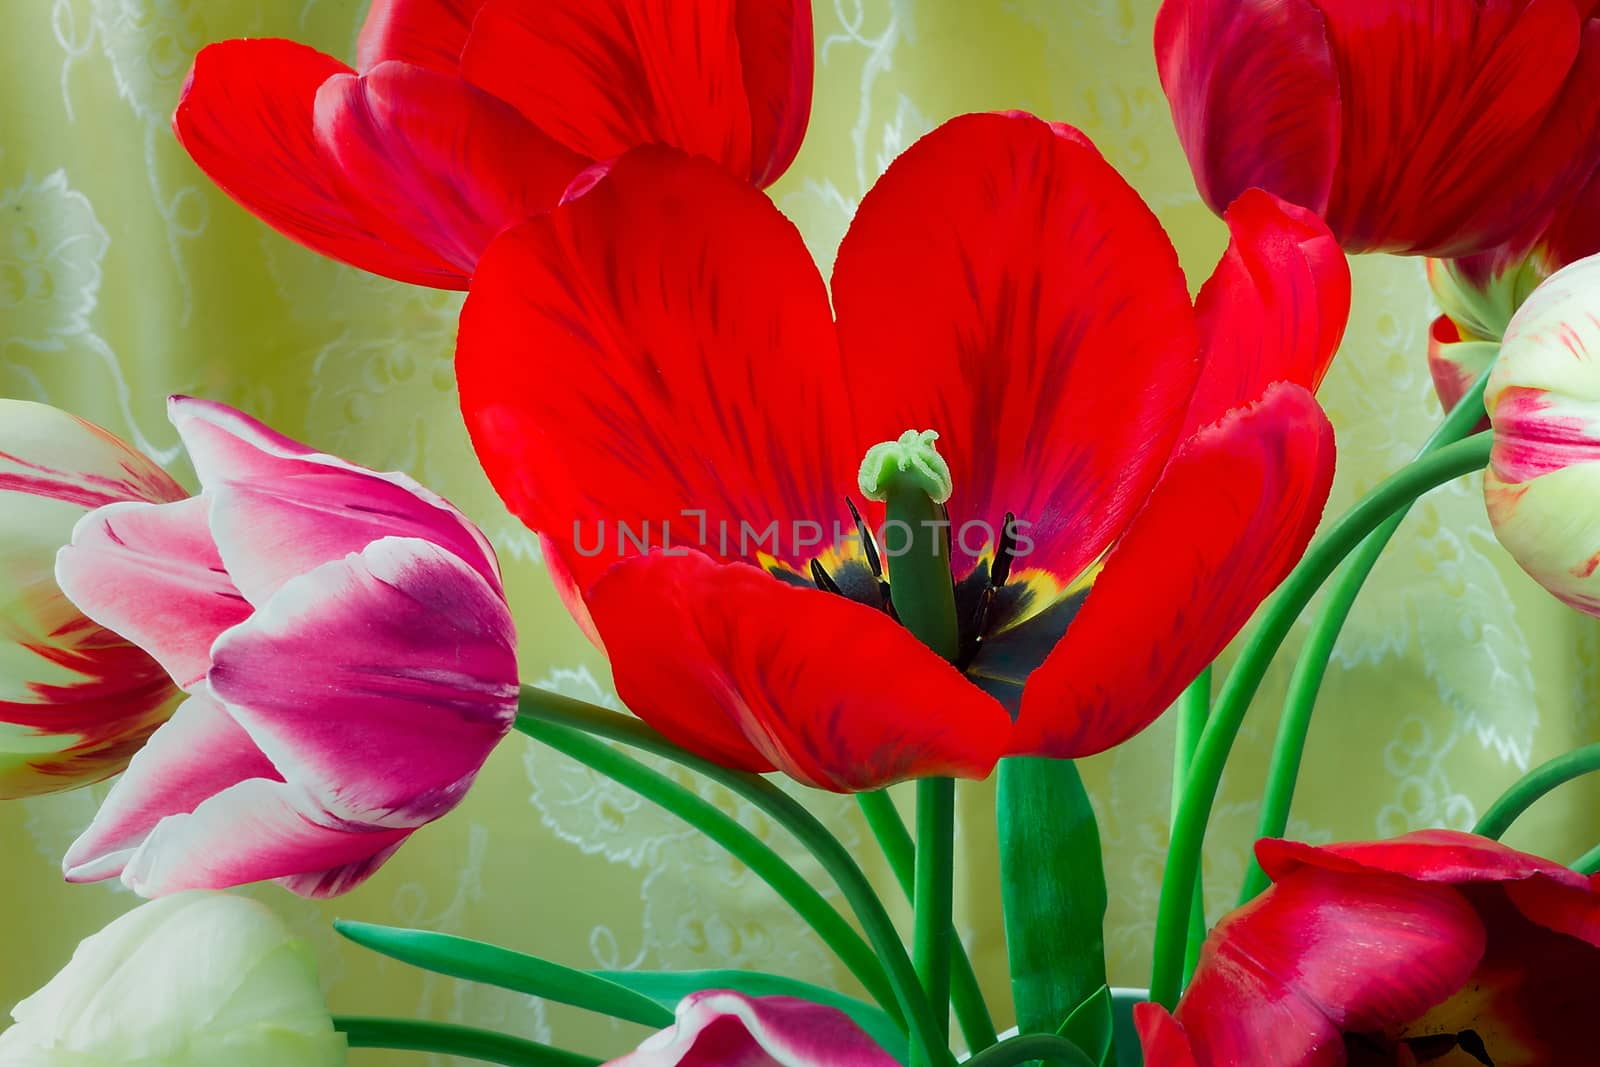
(1464,1048)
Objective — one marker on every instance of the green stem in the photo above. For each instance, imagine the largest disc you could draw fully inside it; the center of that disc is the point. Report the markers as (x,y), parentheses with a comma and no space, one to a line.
(536,705)
(933,898)
(1312,665)
(447,1039)
(1589,862)
(972,1012)
(1216,740)
(1535,784)
(1026,1047)
(726,831)
(1194,708)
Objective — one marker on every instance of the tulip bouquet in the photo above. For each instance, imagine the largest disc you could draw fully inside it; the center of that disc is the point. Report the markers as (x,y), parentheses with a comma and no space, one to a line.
(991,498)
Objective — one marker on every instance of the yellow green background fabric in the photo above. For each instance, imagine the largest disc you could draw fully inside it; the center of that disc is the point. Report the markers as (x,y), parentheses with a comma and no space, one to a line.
(125,276)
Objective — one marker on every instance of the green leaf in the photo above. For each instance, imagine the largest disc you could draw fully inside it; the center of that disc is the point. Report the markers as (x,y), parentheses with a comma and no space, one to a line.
(669,987)
(1090,1027)
(1053,888)
(493,965)
(486,1046)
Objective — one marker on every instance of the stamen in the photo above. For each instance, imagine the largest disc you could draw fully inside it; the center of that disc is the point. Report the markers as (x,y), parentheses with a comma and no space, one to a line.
(823,579)
(868,542)
(1000,569)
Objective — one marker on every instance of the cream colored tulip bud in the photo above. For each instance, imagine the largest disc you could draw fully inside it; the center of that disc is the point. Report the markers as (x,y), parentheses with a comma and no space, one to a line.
(199,979)
(1543,483)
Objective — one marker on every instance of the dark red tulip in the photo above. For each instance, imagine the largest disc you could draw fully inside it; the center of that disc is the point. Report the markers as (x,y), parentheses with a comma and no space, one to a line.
(1437,948)
(1423,127)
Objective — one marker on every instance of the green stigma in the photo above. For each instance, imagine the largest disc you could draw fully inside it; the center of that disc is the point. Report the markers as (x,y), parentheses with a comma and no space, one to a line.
(911,462)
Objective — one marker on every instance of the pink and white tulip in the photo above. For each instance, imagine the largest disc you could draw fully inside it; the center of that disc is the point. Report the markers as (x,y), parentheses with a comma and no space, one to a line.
(1544,402)
(76,700)
(717,1027)
(346,648)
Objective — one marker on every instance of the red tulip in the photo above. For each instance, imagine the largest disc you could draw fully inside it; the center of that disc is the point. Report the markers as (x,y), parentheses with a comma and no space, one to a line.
(463,117)
(1425,127)
(1434,948)
(655,365)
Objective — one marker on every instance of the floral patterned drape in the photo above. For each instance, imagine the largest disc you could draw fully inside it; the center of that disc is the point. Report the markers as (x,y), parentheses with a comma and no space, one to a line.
(125,276)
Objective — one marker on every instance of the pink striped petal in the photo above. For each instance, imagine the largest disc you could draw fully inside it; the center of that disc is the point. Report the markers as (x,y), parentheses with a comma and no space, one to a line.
(201,751)
(151,573)
(378,682)
(252,832)
(280,509)
(719,1028)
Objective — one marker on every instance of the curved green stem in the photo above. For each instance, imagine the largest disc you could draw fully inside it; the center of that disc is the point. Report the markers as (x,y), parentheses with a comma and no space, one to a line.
(966,995)
(1589,862)
(1535,784)
(1312,665)
(447,1039)
(726,831)
(535,705)
(1026,1047)
(1205,774)
(933,897)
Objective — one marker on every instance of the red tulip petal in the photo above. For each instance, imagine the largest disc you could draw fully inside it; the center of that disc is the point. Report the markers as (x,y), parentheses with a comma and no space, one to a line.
(1447,856)
(426,155)
(1229,518)
(1274,309)
(197,753)
(604,76)
(756,674)
(1574,234)
(1255,96)
(378,683)
(1558,905)
(246,118)
(1003,285)
(1321,953)
(660,345)
(1161,1038)
(775,53)
(151,573)
(1487,100)
(425,33)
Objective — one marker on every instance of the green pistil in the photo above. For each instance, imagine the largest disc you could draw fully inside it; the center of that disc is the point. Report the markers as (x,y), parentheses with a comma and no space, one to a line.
(913,481)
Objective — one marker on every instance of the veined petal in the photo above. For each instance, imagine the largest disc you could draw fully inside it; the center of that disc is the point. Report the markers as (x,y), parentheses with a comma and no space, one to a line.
(1228,520)
(151,573)
(1323,953)
(252,832)
(1274,309)
(426,33)
(718,1027)
(656,358)
(604,76)
(401,645)
(246,118)
(200,752)
(1003,285)
(1255,96)
(1494,95)
(756,674)
(427,155)
(278,509)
